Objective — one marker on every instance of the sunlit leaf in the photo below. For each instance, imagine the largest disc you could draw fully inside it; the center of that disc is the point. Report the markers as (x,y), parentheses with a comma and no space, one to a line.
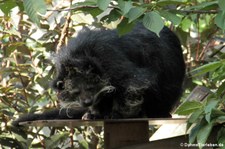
(113,16)
(188,107)
(54,140)
(135,13)
(6,6)
(220,20)
(171,17)
(207,68)
(103,4)
(125,6)
(186,24)
(153,22)
(34,8)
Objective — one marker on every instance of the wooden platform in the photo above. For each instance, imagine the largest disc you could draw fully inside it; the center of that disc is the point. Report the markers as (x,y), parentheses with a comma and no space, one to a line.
(117,133)
(134,133)
(74,123)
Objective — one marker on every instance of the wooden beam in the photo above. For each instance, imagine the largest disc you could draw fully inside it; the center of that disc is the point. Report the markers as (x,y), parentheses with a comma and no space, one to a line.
(75,123)
(119,134)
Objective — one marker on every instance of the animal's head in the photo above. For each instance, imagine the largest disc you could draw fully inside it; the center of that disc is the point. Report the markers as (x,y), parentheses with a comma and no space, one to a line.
(79,82)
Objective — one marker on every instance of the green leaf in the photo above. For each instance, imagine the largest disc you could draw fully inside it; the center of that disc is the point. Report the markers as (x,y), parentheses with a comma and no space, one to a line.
(54,140)
(10,142)
(207,68)
(204,5)
(85,3)
(125,27)
(171,17)
(82,142)
(93,11)
(83,18)
(153,22)
(125,6)
(114,15)
(186,24)
(221,89)
(6,6)
(33,8)
(211,104)
(188,107)
(220,20)
(221,137)
(135,13)
(220,119)
(170,2)
(103,4)
(221,4)
(204,133)
(215,113)
(194,132)
(195,116)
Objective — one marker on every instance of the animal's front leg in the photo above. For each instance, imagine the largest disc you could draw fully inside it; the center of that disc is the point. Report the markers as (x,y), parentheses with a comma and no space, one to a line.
(92,115)
(102,105)
(131,105)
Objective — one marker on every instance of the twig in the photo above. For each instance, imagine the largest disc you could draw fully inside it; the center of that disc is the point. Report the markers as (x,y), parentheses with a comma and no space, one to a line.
(199,40)
(64,32)
(21,80)
(217,51)
(182,11)
(198,11)
(71,137)
(74,8)
(94,137)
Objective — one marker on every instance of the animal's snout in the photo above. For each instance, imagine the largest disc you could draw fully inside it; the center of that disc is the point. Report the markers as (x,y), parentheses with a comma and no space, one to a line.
(63,95)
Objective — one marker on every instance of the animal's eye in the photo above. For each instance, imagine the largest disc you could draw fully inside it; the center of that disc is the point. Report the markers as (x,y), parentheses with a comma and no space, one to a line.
(60,85)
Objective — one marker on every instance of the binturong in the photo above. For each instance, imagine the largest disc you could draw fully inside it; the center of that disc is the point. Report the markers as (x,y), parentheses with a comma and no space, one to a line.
(101,75)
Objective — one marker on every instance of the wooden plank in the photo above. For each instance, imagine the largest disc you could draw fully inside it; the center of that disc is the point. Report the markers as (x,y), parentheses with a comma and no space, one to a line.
(119,134)
(178,142)
(75,123)
(170,143)
(198,94)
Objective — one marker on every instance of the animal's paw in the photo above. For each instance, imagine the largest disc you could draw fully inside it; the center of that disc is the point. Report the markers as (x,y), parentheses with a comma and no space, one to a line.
(90,116)
(87,116)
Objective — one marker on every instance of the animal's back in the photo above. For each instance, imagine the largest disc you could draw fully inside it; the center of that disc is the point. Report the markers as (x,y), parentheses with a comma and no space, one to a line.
(142,60)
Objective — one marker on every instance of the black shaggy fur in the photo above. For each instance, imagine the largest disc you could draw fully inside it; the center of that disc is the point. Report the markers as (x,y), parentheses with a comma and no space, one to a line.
(132,76)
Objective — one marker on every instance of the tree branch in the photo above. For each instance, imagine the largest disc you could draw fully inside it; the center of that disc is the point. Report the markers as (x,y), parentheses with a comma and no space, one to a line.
(199,11)
(64,32)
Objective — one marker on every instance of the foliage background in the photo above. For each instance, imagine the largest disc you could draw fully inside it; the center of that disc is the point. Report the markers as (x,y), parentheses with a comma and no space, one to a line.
(31,31)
